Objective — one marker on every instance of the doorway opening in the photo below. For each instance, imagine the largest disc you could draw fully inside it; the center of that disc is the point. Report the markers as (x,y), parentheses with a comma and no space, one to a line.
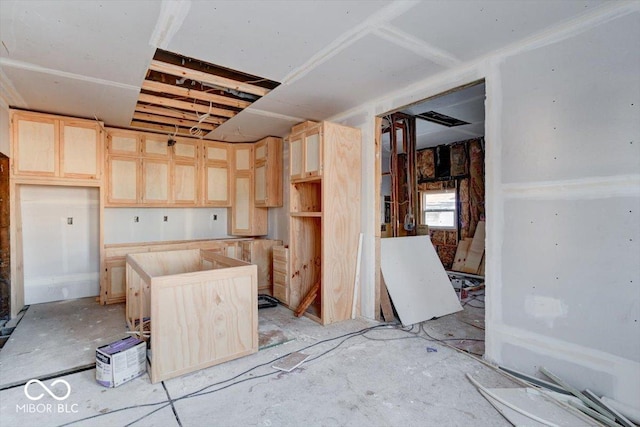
(432,183)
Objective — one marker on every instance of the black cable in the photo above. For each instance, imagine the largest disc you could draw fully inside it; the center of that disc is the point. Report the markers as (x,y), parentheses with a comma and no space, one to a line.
(347,336)
(173,408)
(200,392)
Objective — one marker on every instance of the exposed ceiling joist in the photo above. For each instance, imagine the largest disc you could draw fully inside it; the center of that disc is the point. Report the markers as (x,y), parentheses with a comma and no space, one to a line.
(169,120)
(193,97)
(158,87)
(161,128)
(169,112)
(178,71)
(187,106)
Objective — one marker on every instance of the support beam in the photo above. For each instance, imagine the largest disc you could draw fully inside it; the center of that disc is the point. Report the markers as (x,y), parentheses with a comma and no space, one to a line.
(169,120)
(187,106)
(176,70)
(193,94)
(168,112)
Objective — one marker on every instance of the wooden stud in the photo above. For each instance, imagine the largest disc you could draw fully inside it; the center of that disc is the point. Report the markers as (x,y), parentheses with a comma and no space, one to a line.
(385,301)
(308,299)
(194,94)
(176,70)
(187,106)
(178,114)
(169,120)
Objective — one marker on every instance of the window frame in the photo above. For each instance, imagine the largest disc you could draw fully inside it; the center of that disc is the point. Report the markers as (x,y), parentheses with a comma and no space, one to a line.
(423,210)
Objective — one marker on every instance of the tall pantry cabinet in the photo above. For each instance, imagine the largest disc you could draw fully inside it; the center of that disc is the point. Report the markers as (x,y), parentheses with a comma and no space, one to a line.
(324,228)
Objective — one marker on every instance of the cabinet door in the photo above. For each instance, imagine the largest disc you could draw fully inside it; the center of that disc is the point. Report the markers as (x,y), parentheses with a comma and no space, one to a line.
(268,172)
(35,146)
(123,180)
(185,150)
(155,182)
(122,142)
(295,157)
(312,154)
(215,174)
(81,151)
(261,196)
(216,185)
(116,283)
(185,183)
(241,218)
(155,146)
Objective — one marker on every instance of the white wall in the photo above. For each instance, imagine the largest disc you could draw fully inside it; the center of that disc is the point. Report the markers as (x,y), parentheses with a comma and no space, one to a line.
(181,224)
(563,199)
(61,261)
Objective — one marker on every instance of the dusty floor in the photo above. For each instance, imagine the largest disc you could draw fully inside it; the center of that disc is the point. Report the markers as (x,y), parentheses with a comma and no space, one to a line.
(359,373)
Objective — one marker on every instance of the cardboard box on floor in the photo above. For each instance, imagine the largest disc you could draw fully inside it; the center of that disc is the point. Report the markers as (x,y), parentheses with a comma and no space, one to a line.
(121,361)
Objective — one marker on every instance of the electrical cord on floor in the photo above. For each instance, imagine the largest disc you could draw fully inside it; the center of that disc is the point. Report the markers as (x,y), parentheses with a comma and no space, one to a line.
(345,337)
(201,392)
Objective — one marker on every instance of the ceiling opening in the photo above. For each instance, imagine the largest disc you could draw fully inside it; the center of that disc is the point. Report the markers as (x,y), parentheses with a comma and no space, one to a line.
(188,97)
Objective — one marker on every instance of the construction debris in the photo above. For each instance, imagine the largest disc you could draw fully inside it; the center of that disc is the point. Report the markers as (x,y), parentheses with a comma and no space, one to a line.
(599,410)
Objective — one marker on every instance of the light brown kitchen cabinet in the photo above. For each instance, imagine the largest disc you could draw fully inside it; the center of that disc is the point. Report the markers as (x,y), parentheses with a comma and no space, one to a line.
(305,151)
(123,180)
(260,253)
(156,182)
(324,220)
(245,219)
(115,284)
(268,172)
(216,174)
(57,147)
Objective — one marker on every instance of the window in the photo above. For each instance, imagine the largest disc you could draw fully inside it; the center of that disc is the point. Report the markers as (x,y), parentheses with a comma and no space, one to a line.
(439,208)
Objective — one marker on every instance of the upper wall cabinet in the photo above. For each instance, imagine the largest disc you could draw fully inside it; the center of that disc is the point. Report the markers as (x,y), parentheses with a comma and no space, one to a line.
(143,169)
(245,219)
(305,155)
(216,174)
(268,172)
(45,145)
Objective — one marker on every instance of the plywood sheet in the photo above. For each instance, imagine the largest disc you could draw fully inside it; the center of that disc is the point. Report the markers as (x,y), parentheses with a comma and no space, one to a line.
(416,279)
(476,250)
(461,254)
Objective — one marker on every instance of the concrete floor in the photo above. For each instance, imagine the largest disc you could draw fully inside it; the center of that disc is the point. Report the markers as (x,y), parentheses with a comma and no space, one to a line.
(381,377)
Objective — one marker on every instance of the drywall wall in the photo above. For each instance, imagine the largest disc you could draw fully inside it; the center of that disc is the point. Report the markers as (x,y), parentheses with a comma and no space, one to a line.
(562,167)
(4,131)
(61,260)
(120,224)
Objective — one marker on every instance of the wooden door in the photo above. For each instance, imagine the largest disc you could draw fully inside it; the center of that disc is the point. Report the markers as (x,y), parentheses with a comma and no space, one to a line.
(295,157)
(81,150)
(156,182)
(215,174)
(35,145)
(312,153)
(123,180)
(185,183)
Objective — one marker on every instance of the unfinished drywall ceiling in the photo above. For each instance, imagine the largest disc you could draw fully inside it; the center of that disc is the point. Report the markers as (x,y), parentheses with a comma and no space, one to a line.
(90,58)
(485,25)
(465,104)
(268,38)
